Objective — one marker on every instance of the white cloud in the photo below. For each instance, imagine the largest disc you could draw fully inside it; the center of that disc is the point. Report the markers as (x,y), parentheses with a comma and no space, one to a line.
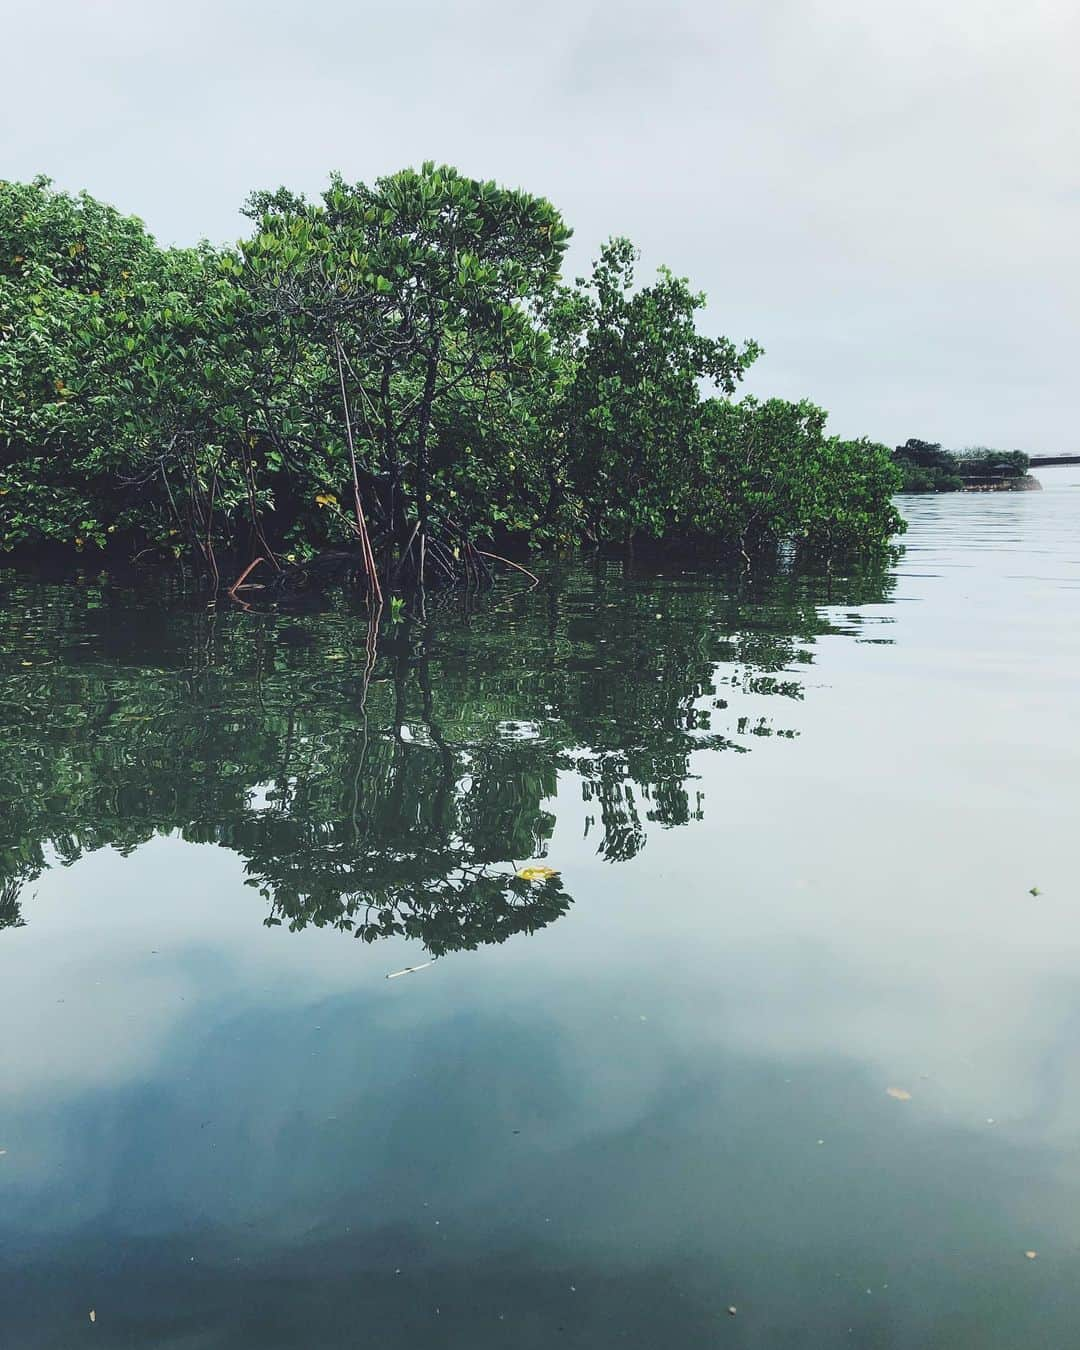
(885,196)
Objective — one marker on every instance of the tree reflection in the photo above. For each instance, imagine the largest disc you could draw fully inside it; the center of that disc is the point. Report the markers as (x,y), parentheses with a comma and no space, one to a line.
(10,910)
(393,785)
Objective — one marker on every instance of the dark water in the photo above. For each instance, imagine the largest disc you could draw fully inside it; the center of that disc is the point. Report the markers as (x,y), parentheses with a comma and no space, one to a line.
(796,825)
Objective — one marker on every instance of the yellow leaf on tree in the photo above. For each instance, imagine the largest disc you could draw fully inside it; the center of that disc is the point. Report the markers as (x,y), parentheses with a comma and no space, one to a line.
(326,499)
(537,873)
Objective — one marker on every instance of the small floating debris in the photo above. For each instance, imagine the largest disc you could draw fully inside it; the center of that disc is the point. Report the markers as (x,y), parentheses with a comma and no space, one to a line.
(93,1315)
(1031,1255)
(537,873)
(900,1094)
(732,1311)
(1034,891)
(409,970)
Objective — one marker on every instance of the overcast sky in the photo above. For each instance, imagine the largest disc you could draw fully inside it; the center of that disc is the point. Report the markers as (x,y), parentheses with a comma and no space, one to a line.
(885,195)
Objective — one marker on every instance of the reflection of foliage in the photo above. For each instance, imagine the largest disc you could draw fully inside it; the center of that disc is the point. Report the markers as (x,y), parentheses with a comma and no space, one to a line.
(10,914)
(400,798)
(458,913)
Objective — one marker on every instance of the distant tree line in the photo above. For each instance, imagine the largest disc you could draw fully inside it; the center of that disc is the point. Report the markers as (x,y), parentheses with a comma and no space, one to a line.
(926,467)
(394,376)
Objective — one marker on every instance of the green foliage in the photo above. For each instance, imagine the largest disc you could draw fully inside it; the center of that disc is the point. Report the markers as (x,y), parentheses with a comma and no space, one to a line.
(769,474)
(625,424)
(112,374)
(67,267)
(389,376)
(638,453)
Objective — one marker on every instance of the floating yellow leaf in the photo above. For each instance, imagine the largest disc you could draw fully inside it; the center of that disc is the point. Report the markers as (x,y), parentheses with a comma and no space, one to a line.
(537,873)
(899,1093)
(1031,1255)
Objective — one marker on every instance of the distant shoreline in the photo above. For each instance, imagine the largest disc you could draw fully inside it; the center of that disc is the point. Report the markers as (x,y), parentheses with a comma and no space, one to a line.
(1026,483)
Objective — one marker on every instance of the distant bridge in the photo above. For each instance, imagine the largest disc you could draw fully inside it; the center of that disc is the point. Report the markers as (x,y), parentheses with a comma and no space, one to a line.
(1052,461)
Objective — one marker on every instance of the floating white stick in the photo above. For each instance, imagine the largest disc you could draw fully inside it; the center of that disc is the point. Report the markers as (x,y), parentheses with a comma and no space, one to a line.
(409,970)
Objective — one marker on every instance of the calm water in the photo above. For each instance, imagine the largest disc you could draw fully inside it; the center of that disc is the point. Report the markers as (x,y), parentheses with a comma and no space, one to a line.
(796,826)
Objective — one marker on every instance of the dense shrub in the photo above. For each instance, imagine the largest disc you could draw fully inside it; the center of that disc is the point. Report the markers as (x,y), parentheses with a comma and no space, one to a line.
(395,373)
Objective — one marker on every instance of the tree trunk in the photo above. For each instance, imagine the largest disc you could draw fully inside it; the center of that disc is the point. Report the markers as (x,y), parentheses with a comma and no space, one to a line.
(422,430)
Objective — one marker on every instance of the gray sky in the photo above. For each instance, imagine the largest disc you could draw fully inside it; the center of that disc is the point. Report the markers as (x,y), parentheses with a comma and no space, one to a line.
(886,195)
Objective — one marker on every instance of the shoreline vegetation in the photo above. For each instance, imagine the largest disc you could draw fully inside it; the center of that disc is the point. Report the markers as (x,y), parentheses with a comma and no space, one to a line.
(394,385)
(926,467)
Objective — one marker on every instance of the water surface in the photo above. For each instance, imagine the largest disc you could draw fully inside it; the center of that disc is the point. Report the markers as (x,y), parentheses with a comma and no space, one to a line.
(796,824)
